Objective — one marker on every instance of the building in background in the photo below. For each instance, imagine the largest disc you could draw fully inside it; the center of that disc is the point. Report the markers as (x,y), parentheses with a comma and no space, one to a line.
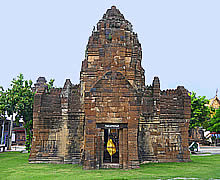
(18,132)
(214,102)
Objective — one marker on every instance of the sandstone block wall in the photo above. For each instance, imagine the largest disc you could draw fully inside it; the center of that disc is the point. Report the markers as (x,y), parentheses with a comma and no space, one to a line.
(112,100)
(72,124)
(163,127)
(57,127)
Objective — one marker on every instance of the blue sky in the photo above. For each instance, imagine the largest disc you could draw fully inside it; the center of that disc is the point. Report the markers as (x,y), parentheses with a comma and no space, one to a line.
(180,39)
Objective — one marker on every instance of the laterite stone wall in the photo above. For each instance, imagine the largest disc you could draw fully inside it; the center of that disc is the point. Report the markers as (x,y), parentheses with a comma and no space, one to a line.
(70,122)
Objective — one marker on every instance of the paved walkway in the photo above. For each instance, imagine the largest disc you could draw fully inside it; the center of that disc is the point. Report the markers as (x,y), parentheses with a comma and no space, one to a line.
(202,150)
(16,148)
(209,149)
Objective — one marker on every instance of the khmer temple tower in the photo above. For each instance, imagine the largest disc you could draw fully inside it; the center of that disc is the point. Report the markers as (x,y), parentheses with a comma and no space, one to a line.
(111,119)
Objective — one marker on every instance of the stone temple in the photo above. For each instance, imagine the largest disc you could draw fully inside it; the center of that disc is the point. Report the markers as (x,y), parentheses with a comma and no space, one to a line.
(74,124)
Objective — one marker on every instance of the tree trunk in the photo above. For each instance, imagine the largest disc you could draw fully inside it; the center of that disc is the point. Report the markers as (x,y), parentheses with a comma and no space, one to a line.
(3,129)
(10,133)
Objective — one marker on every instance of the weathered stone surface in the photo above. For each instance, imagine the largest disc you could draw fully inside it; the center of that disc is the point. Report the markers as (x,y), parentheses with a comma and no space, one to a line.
(58,132)
(163,129)
(73,124)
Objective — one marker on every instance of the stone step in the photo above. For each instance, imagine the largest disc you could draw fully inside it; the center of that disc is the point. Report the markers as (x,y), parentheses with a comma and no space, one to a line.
(110,165)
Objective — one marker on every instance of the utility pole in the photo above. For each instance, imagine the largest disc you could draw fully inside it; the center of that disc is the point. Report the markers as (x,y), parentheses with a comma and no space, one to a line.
(10,133)
(3,129)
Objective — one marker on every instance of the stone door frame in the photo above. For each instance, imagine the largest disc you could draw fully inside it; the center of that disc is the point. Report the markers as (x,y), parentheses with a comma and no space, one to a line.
(123,145)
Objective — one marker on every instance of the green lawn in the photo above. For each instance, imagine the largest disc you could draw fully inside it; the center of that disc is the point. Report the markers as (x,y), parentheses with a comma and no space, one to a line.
(14,165)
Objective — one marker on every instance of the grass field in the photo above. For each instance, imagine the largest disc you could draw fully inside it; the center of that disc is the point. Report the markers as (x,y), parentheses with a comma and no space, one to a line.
(14,165)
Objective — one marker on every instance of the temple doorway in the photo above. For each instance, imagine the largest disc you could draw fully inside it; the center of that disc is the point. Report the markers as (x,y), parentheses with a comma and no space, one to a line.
(111,145)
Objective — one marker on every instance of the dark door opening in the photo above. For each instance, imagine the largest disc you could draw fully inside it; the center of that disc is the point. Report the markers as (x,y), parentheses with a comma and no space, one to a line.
(112,134)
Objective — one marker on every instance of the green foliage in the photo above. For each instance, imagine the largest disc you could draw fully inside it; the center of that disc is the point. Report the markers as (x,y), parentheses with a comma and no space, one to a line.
(2,103)
(50,84)
(214,124)
(200,112)
(19,99)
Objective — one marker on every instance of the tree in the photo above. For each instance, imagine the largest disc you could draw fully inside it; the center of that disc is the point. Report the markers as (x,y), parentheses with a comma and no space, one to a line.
(19,100)
(7,106)
(2,111)
(22,92)
(200,112)
(214,124)
(50,85)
